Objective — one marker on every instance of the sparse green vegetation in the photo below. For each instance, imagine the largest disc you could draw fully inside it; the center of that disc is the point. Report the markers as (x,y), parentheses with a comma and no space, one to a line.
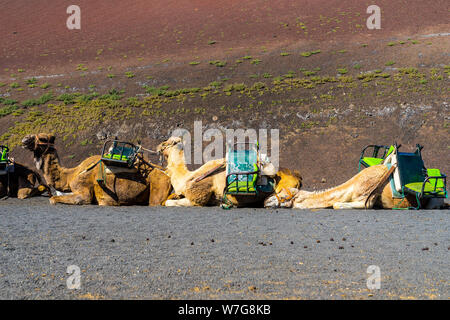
(218,63)
(39,101)
(309,53)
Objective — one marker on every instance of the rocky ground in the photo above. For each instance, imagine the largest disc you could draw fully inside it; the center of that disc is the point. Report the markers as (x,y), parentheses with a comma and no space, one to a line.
(210,253)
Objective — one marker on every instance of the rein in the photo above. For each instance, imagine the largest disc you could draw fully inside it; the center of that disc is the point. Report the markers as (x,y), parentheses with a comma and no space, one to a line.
(38,143)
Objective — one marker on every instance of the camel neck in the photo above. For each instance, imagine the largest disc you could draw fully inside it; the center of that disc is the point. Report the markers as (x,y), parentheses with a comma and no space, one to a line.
(55,175)
(177,170)
(176,161)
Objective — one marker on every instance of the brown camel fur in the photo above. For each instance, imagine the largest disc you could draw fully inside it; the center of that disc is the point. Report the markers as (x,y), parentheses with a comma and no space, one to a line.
(145,184)
(353,194)
(209,190)
(22,183)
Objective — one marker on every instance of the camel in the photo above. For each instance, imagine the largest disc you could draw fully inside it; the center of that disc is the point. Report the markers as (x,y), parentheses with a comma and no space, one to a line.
(368,189)
(205,186)
(21,183)
(145,184)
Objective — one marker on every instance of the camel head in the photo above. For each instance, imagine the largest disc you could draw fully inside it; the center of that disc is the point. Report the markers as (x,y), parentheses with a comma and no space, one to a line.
(40,144)
(164,148)
(283,199)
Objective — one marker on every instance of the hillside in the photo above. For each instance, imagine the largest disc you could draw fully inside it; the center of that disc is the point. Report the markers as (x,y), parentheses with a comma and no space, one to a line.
(308,68)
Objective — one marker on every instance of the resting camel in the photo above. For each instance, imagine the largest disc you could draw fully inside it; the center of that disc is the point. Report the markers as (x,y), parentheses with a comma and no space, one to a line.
(145,184)
(21,183)
(195,189)
(367,189)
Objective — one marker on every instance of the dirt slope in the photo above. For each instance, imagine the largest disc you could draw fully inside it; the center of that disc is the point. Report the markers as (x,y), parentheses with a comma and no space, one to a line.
(360,87)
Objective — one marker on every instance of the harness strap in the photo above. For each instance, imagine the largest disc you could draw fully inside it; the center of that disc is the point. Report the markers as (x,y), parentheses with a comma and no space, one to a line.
(282,199)
(210,172)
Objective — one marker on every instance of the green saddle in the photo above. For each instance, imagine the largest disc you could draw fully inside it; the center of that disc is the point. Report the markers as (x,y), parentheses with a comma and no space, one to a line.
(122,154)
(4,154)
(418,180)
(245,185)
(432,187)
(377,157)
(242,171)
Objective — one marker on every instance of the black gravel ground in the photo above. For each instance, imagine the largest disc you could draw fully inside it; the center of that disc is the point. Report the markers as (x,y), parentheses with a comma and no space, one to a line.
(210,253)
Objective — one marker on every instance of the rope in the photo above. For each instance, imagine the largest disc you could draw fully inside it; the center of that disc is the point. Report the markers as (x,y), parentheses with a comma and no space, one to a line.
(148,150)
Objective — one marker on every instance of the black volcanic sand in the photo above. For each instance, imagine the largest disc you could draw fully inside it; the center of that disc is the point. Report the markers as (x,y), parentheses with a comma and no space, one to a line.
(203,253)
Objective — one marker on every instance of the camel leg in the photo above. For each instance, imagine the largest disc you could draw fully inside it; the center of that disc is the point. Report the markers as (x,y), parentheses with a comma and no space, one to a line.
(351,205)
(74,198)
(24,193)
(185,202)
(160,188)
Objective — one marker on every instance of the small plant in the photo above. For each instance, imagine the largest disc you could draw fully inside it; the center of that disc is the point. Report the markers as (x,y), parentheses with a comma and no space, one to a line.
(194,63)
(45,86)
(36,102)
(284,54)
(32,81)
(390,63)
(218,63)
(391,44)
(342,70)
(9,102)
(14,85)
(129,74)
(81,67)
(309,53)
(8,110)
(215,84)
(111,75)
(211,42)
(309,73)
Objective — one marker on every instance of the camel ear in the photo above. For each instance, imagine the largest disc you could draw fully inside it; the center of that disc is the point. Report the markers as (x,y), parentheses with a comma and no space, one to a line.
(51,138)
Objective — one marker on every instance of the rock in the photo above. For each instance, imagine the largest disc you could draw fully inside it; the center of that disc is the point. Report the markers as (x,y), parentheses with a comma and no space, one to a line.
(323,180)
